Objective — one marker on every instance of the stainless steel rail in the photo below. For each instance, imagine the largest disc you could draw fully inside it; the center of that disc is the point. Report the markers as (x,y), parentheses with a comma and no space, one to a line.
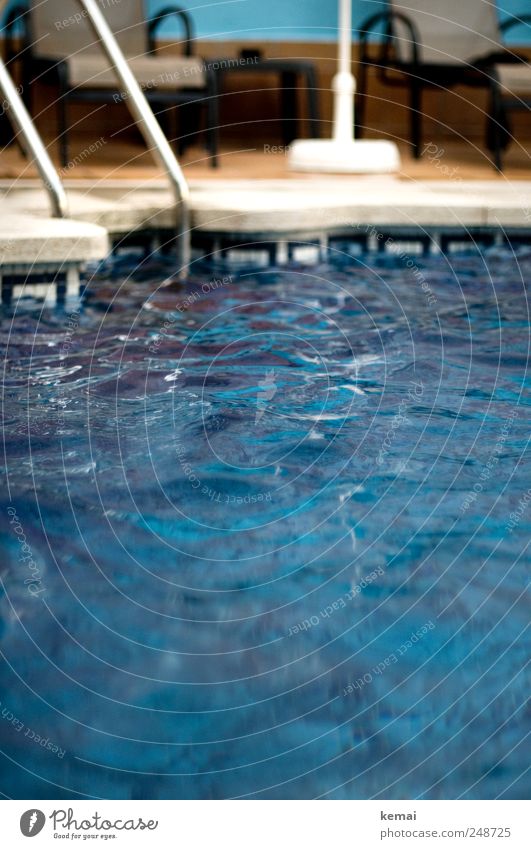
(21,120)
(148,125)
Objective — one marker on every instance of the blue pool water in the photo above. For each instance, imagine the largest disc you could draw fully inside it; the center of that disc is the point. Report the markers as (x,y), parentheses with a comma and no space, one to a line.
(265,535)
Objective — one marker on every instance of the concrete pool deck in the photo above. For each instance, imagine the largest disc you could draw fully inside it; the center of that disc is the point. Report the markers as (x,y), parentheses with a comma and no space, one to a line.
(311,207)
(332,203)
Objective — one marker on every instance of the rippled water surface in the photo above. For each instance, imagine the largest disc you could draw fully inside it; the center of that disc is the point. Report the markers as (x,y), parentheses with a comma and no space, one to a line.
(265,535)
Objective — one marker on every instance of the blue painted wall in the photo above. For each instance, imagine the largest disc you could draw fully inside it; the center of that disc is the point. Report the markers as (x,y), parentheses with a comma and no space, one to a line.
(295,20)
(291,20)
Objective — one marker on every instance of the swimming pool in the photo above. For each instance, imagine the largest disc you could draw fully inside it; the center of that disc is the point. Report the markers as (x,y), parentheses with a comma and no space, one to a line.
(266,533)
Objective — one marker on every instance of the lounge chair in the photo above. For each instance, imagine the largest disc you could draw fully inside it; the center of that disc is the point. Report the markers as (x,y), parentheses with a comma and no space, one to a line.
(429,44)
(61,46)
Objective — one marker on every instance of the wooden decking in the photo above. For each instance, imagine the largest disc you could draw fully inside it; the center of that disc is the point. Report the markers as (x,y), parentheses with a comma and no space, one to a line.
(267,161)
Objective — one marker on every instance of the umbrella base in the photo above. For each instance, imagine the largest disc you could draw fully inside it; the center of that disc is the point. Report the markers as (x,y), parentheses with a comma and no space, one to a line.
(344,157)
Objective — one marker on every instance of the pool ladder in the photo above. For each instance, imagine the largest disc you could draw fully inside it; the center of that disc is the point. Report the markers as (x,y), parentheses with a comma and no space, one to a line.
(141,112)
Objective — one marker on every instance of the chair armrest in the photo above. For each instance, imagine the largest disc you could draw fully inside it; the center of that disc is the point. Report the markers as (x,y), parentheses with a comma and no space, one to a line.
(389,18)
(161,16)
(514,21)
(16,16)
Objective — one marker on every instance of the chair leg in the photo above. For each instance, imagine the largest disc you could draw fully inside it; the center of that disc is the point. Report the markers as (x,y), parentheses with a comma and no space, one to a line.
(177,121)
(360,99)
(498,162)
(289,107)
(188,125)
(496,126)
(63,130)
(415,107)
(212,118)
(195,121)
(62,116)
(314,116)
(212,139)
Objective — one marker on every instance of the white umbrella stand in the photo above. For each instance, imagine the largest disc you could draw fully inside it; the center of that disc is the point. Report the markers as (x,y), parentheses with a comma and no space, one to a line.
(342,154)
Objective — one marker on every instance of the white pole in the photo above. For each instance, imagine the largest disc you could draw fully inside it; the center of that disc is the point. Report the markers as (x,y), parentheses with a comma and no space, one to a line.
(343,83)
(341,154)
(345,35)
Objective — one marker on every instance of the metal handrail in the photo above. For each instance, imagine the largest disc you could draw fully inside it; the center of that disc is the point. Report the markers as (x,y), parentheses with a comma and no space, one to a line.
(21,120)
(148,125)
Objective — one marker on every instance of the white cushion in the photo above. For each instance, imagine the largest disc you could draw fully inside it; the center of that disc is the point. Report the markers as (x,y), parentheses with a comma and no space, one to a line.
(165,73)
(515,79)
